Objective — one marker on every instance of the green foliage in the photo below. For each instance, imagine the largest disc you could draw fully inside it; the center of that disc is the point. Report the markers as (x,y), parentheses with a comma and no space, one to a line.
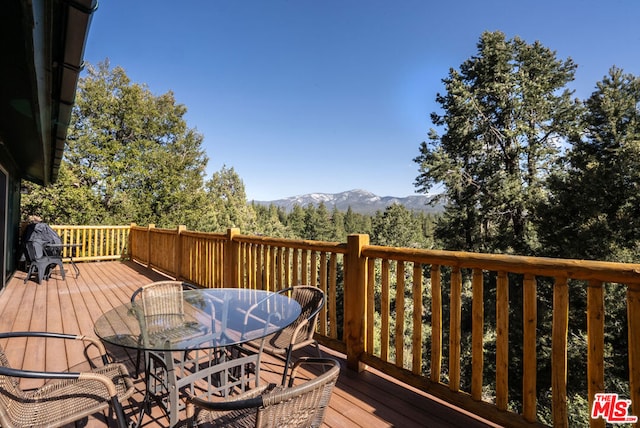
(317,223)
(228,202)
(594,209)
(268,223)
(130,158)
(397,227)
(504,111)
(64,202)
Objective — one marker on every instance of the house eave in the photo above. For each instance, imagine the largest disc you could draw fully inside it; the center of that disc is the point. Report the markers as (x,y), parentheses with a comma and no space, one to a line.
(45,41)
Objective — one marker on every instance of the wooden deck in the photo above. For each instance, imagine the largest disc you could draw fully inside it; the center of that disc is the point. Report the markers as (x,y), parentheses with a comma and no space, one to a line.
(368,399)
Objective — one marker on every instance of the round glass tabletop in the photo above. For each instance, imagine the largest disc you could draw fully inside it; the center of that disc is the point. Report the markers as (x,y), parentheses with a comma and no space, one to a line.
(197,319)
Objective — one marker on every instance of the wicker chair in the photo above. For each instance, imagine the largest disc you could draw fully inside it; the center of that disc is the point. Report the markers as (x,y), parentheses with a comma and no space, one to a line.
(163,305)
(300,333)
(302,405)
(68,396)
(162,312)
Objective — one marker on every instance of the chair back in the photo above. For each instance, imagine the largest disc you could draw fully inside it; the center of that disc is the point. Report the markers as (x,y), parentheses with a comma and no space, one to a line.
(312,300)
(162,305)
(303,405)
(160,298)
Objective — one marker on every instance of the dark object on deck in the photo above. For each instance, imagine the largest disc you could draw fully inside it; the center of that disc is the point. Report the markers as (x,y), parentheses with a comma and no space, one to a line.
(41,257)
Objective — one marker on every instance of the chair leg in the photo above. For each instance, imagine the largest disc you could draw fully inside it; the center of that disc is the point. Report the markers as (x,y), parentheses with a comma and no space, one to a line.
(61,269)
(286,366)
(138,364)
(324,366)
(119,411)
(30,272)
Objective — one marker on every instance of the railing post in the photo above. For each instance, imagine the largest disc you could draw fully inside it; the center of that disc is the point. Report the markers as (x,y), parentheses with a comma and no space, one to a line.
(355,292)
(178,251)
(151,226)
(231,259)
(633,306)
(130,253)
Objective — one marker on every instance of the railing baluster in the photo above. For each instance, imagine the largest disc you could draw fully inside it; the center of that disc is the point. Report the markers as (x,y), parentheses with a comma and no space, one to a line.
(502,340)
(559,352)
(529,369)
(436,324)
(477,334)
(314,268)
(323,286)
(371,276)
(286,265)
(633,320)
(595,344)
(455,316)
(399,330)
(416,341)
(384,312)
(296,267)
(332,301)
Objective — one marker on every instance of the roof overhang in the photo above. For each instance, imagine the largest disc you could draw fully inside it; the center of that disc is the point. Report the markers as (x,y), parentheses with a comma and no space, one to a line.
(40,64)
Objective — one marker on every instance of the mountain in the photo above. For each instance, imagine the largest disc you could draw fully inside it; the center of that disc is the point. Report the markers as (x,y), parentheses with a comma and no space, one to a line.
(360,201)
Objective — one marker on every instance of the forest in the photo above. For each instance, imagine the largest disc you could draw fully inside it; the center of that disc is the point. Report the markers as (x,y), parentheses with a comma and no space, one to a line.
(526,167)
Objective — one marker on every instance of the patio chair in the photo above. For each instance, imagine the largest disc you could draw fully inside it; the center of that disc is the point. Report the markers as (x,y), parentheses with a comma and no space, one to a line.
(67,396)
(302,405)
(163,305)
(300,333)
(43,264)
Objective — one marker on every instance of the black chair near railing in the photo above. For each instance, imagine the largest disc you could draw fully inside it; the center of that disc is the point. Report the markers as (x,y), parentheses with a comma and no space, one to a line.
(43,252)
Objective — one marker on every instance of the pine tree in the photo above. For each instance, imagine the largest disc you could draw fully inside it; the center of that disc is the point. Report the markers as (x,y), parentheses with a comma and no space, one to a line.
(504,113)
(594,212)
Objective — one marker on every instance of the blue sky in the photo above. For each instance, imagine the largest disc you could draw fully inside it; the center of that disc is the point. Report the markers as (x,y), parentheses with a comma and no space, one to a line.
(303,96)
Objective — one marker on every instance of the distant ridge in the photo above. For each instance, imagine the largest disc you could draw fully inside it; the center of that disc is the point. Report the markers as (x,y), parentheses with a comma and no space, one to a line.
(360,201)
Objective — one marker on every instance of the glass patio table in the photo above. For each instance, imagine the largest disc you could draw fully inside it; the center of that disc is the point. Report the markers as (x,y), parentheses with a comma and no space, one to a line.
(209,320)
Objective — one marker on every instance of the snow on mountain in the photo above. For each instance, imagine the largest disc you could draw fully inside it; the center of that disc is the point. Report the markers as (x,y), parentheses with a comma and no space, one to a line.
(360,201)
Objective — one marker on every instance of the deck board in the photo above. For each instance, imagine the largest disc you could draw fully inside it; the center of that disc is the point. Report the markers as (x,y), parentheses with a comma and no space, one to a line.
(368,399)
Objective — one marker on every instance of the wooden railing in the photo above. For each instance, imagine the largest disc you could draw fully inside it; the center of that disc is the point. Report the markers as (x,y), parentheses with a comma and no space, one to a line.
(412,313)
(94,242)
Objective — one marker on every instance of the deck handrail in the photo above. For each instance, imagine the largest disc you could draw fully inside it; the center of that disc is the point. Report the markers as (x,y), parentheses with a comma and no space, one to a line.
(94,243)
(367,318)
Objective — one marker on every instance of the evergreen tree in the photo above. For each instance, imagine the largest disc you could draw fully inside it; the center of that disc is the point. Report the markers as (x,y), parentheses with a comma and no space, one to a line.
(396,227)
(356,223)
(317,223)
(594,211)
(227,197)
(63,202)
(337,223)
(134,151)
(504,112)
(296,221)
(267,222)
(350,222)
